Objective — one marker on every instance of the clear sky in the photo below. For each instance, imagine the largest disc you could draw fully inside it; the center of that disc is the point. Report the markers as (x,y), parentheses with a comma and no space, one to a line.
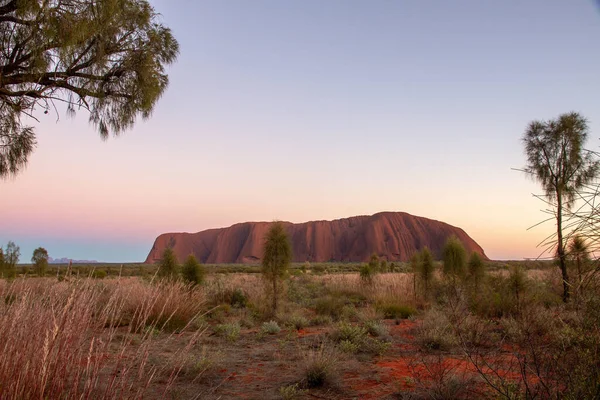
(304,110)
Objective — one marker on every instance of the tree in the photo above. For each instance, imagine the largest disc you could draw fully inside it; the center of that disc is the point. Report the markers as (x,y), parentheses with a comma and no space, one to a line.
(426,269)
(557,159)
(40,260)
(11,259)
(415,267)
(455,258)
(107,57)
(374,262)
(383,266)
(167,267)
(277,255)
(476,268)
(193,272)
(579,256)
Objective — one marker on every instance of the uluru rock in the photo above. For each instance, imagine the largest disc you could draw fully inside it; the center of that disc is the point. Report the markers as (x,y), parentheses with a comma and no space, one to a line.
(394,236)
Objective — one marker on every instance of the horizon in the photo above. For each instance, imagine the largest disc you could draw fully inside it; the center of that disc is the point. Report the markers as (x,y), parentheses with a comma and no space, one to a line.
(320,111)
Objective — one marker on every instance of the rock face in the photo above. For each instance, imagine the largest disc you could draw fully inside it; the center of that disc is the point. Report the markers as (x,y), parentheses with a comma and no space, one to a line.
(394,236)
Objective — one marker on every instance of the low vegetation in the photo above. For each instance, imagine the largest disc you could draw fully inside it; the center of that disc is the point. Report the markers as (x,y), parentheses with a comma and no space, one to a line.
(459,328)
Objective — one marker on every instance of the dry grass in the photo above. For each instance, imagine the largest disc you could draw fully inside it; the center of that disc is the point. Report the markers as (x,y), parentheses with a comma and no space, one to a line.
(390,287)
(57,339)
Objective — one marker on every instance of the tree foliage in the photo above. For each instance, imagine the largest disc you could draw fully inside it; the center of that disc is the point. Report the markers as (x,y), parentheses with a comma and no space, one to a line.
(579,255)
(39,259)
(11,259)
(454,257)
(425,269)
(167,267)
(374,262)
(107,57)
(476,268)
(277,256)
(193,272)
(556,158)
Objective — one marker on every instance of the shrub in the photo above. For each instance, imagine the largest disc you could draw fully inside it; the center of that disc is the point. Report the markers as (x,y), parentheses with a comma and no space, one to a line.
(231,332)
(518,282)
(455,258)
(348,332)
(376,328)
(277,255)
(270,328)
(330,306)
(347,346)
(321,320)
(193,272)
(396,311)
(374,263)
(320,366)
(425,269)
(476,269)
(167,267)
(238,298)
(99,274)
(367,274)
(291,392)
(435,332)
(297,322)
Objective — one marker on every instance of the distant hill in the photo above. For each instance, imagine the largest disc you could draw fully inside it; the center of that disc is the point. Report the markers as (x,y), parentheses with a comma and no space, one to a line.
(394,236)
(65,260)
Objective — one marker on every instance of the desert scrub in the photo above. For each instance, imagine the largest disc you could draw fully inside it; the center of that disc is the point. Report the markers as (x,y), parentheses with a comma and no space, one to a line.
(347,332)
(355,339)
(321,320)
(270,328)
(320,366)
(395,311)
(297,322)
(347,346)
(435,332)
(231,332)
(330,306)
(375,328)
(291,392)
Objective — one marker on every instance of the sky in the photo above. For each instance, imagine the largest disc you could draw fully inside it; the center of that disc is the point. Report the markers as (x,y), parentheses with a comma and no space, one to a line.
(309,110)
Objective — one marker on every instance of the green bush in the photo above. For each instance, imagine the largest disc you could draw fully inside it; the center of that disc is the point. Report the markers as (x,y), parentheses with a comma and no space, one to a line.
(436,332)
(167,267)
(99,274)
(347,332)
(297,322)
(455,258)
(270,328)
(330,306)
(375,328)
(321,320)
(238,299)
(231,332)
(193,272)
(395,311)
(367,274)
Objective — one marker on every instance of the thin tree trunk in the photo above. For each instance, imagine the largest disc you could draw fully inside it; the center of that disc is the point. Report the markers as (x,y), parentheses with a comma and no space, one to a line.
(562,262)
(274,297)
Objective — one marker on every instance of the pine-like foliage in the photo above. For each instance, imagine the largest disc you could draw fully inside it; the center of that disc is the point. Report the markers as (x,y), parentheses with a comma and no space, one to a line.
(277,256)
(454,257)
(193,272)
(476,268)
(167,268)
